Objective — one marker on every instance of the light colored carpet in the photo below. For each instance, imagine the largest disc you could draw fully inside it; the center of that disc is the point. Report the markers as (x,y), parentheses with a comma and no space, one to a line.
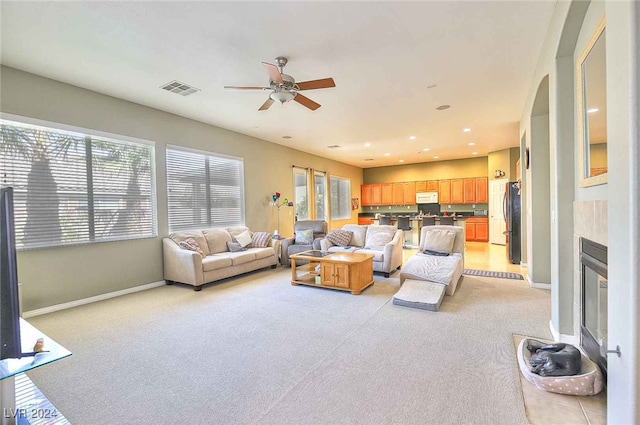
(256,350)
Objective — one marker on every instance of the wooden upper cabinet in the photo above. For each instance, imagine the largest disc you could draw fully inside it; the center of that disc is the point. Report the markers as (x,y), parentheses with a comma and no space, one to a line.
(432,186)
(409,193)
(365,195)
(398,193)
(387,194)
(470,191)
(376,194)
(421,187)
(457,191)
(444,191)
(482,190)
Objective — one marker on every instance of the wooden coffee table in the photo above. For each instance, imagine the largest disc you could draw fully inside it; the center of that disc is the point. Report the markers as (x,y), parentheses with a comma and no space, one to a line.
(345,271)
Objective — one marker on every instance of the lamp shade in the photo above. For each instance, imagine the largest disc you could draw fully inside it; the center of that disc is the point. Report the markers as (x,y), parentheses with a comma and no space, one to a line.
(281,96)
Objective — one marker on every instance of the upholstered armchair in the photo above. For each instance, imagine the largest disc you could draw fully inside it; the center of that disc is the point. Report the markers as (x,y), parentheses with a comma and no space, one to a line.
(313,229)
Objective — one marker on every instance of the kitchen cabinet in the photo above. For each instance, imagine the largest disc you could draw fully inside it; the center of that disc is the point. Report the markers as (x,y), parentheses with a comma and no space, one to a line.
(477,229)
(376,194)
(421,187)
(404,193)
(365,195)
(444,192)
(457,191)
(386,197)
(432,186)
(409,193)
(482,190)
(470,191)
(398,193)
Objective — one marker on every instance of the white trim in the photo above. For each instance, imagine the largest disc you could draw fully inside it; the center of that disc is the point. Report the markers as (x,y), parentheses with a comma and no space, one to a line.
(203,152)
(538,285)
(558,337)
(89,300)
(81,131)
(523,264)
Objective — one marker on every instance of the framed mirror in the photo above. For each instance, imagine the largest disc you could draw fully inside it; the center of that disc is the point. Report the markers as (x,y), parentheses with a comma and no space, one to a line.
(591,90)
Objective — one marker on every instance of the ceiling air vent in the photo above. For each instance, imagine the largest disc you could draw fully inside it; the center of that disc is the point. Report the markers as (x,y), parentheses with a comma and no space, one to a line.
(180,88)
(368,159)
(333,146)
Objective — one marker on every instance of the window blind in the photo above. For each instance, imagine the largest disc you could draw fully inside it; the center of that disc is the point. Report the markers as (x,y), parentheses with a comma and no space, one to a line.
(72,188)
(204,190)
(340,198)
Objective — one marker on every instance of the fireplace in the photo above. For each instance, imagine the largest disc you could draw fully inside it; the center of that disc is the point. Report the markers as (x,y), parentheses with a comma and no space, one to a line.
(594,288)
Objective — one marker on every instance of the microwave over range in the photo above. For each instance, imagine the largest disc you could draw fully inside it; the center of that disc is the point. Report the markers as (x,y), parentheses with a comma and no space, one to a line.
(427,198)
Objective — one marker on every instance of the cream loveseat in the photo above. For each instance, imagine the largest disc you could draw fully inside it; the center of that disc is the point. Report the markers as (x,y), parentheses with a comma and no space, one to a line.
(384,242)
(185,265)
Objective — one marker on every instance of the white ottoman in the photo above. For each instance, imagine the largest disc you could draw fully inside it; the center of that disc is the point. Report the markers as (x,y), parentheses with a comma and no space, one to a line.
(420,294)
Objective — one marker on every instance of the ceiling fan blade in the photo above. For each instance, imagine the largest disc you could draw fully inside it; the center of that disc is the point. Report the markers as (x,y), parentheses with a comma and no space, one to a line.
(274,72)
(266,105)
(324,83)
(305,101)
(246,88)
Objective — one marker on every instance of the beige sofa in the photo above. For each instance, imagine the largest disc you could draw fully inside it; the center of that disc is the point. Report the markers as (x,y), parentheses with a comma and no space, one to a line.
(367,239)
(185,266)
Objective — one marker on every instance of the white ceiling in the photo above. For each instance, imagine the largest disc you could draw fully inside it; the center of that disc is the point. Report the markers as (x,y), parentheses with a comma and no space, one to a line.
(383,57)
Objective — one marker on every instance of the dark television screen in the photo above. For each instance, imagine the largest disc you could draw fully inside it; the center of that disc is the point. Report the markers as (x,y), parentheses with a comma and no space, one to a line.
(9,301)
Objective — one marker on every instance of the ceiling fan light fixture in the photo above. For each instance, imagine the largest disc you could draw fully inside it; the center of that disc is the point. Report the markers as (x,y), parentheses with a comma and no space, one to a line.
(282,96)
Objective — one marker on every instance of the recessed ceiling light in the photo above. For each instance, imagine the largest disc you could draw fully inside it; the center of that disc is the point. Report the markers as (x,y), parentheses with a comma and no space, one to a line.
(412,137)
(471,144)
(425,149)
(367,144)
(474,153)
(466,130)
(443,107)
(436,157)
(387,154)
(401,160)
(592,110)
(286,137)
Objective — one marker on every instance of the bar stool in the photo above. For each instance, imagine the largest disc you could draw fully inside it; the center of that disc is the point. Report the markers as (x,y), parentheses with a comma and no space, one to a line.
(403,224)
(446,221)
(428,221)
(384,220)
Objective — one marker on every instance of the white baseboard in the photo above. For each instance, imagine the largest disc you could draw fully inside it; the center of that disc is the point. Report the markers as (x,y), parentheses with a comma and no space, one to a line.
(558,337)
(89,300)
(537,285)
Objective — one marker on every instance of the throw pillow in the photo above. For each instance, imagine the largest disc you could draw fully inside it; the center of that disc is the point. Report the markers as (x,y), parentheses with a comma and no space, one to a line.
(439,240)
(235,247)
(379,236)
(191,245)
(339,237)
(244,238)
(304,237)
(260,240)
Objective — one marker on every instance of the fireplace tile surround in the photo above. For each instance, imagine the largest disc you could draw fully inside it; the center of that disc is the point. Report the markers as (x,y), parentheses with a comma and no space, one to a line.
(590,222)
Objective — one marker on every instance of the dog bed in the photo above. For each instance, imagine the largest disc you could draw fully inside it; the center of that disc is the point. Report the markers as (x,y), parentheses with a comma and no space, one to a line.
(420,294)
(589,382)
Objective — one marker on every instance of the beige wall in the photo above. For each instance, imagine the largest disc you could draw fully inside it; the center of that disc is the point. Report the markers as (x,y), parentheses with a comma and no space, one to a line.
(459,168)
(505,160)
(57,275)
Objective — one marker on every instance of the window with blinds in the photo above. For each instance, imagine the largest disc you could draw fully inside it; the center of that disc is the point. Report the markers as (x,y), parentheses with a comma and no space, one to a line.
(204,190)
(340,198)
(72,188)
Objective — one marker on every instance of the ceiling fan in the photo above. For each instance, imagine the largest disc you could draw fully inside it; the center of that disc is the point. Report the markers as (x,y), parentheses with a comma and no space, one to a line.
(284,87)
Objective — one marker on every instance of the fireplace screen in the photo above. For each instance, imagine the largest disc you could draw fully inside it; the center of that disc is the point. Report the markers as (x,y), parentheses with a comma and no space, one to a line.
(593,260)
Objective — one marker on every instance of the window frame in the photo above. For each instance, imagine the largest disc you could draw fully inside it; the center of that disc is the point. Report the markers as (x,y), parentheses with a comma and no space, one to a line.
(348,199)
(90,133)
(206,155)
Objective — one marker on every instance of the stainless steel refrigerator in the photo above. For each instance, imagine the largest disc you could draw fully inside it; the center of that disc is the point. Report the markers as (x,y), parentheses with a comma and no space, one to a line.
(511,209)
